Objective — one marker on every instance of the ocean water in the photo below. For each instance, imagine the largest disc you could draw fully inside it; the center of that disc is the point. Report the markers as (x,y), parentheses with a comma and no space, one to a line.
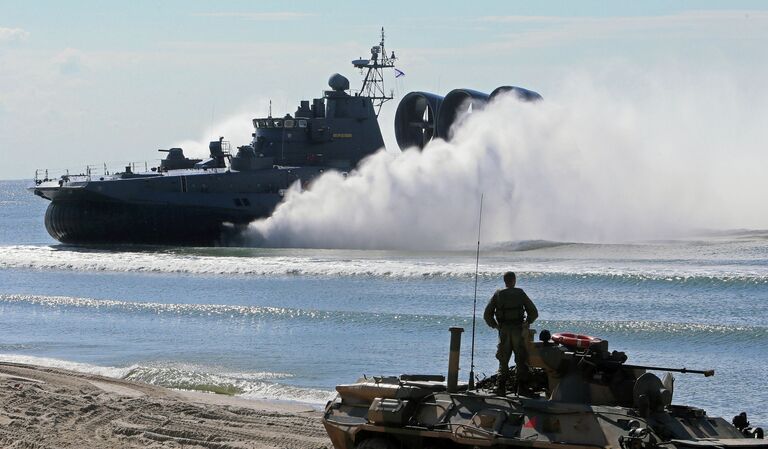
(290,324)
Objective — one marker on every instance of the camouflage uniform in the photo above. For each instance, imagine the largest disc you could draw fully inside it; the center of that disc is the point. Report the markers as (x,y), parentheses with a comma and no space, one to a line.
(509,311)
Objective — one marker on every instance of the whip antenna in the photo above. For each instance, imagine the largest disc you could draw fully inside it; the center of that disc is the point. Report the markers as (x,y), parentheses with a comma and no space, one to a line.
(474,301)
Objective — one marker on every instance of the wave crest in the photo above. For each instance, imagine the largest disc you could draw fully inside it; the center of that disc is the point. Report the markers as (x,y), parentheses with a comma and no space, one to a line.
(377,264)
(250,385)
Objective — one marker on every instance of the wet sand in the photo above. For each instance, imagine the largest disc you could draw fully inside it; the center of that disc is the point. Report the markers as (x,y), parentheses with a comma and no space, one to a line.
(43,408)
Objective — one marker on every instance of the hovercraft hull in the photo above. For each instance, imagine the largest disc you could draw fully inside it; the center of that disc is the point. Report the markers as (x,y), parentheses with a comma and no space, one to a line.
(105,222)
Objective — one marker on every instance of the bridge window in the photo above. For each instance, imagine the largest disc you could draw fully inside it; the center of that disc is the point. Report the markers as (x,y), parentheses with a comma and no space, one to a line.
(289,123)
(278,123)
(302,123)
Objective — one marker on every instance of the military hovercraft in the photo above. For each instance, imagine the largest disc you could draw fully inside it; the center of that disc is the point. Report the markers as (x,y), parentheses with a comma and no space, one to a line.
(186,201)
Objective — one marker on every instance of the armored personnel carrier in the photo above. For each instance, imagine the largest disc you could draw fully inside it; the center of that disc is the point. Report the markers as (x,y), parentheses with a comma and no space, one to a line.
(185,201)
(578,395)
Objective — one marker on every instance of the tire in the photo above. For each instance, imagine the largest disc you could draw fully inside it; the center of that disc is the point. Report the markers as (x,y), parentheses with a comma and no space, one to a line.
(375,443)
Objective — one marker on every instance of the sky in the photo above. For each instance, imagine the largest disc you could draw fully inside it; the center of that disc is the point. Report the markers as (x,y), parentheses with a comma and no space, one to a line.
(92,82)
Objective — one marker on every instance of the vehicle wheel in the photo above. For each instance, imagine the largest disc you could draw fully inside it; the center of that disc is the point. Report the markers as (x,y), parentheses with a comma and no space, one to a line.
(375,443)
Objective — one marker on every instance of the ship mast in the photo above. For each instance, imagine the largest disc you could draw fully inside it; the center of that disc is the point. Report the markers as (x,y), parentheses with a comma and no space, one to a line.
(373,82)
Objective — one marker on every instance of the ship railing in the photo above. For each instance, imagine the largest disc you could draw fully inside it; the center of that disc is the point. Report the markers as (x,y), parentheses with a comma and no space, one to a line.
(177,171)
(95,171)
(226,148)
(47,174)
(135,167)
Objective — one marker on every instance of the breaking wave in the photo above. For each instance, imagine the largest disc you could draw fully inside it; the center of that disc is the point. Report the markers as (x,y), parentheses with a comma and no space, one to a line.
(528,245)
(253,385)
(389,264)
(249,385)
(106,371)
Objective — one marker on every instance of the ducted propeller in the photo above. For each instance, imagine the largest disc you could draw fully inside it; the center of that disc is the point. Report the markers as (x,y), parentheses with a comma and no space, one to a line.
(415,119)
(457,105)
(521,93)
(423,116)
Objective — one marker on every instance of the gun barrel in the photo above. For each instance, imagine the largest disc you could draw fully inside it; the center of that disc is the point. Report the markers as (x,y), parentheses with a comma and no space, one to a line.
(706,373)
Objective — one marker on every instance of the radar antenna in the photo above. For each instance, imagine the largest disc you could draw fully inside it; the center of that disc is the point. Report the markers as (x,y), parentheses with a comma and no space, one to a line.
(373,82)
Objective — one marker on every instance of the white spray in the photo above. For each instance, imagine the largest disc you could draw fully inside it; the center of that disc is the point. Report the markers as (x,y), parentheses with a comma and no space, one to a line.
(236,128)
(649,156)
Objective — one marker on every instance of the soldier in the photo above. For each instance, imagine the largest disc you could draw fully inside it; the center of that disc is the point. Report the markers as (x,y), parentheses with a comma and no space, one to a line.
(510,311)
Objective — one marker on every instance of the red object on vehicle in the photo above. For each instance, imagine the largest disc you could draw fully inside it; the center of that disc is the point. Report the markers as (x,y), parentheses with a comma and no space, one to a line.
(577,341)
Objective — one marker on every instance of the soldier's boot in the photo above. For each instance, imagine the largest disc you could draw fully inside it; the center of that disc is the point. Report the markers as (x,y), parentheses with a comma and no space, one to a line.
(524,390)
(523,376)
(501,389)
(501,386)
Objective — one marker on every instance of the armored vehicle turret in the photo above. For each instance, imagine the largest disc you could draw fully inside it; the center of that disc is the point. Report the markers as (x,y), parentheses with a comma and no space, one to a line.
(578,395)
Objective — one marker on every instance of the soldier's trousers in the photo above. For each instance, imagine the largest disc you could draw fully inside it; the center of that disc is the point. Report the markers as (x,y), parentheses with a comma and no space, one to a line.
(512,340)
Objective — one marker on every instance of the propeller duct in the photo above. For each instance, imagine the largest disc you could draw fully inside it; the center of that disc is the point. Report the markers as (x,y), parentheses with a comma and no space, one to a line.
(457,104)
(423,116)
(522,94)
(415,119)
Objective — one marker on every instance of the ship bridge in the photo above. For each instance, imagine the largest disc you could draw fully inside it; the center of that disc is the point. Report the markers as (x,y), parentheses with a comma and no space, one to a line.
(337,130)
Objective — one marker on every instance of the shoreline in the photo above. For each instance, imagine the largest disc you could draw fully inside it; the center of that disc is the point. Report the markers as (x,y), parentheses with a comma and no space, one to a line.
(125,373)
(45,407)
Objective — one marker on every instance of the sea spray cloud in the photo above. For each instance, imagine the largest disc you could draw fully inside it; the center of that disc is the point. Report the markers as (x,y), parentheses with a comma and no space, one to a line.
(236,128)
(651,155)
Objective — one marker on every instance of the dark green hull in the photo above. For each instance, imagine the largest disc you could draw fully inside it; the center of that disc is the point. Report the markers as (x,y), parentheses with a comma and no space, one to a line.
(105,222)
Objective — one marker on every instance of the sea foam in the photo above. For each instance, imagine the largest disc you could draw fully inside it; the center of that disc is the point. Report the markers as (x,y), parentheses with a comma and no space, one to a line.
(250,385)
(542,260)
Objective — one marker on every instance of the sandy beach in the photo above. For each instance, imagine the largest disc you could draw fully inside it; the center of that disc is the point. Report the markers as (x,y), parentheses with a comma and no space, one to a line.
(44,408)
